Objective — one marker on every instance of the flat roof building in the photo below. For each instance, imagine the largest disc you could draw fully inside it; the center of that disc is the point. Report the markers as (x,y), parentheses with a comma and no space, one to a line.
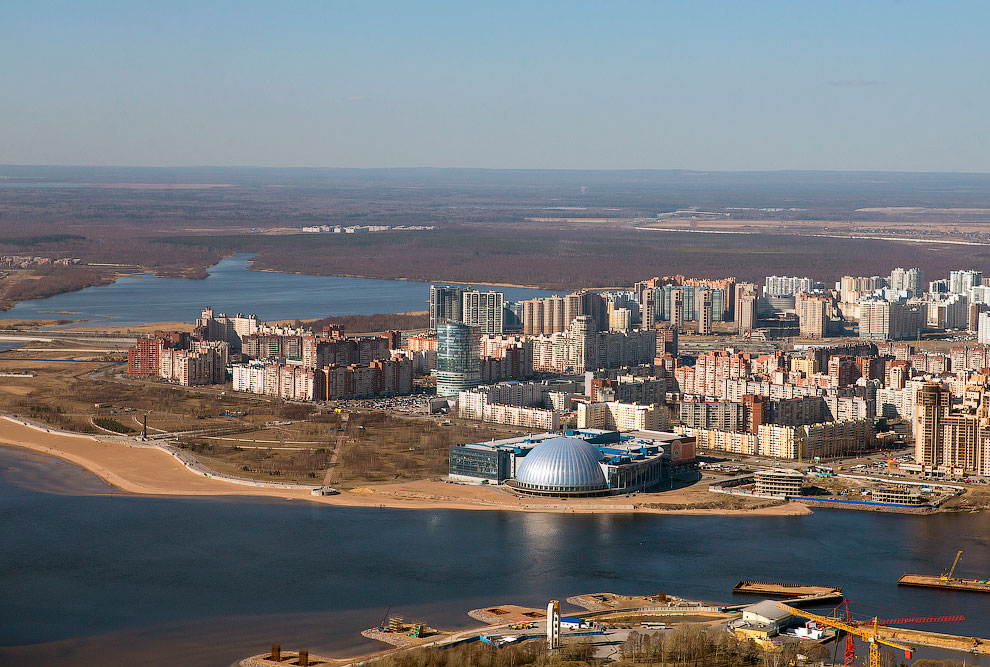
(780,482)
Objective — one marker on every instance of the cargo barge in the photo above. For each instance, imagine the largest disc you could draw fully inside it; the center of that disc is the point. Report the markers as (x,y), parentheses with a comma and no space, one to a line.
(929,581)
(777,589)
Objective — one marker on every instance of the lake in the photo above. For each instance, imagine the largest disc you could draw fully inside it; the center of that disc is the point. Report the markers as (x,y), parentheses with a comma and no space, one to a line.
(84,571)
(232,288)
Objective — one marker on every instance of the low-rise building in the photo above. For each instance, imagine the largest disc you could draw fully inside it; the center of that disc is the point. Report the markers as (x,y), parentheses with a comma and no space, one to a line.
(897,495)
(779,482)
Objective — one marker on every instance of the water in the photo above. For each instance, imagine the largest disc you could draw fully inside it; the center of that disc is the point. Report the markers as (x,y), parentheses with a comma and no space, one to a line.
(232,288)
(221,578)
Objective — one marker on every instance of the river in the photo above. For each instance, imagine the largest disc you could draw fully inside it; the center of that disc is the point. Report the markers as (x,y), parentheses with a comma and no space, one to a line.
(85,571)
(231,287)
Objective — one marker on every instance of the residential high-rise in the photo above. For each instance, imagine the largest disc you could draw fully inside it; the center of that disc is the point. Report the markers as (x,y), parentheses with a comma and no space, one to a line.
(619,319)
(446,304)
(787,286)
(938,286)
(812,315)
(852,288)
(678,311)
(667,341)
(931,408)
(961,281)
(648,308)
(909,280)
(483,310)
(220,327)
(458,359)
(705,314)
(983,329)
(554,314)
(954,443)
(142,359)
(889,320)
(746,298)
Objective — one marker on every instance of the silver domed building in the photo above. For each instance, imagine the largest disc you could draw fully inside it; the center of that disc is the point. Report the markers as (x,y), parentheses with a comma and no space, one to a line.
(562,467)
(578,463)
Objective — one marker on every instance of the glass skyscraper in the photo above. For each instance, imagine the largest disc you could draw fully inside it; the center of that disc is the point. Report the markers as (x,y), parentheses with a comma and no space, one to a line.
(458,359)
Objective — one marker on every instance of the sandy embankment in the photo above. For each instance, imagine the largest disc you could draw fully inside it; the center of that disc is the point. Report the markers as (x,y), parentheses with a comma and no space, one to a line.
(147,470)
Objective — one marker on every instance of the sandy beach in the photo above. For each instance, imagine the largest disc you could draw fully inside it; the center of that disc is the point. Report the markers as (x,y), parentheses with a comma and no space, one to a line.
(139,469)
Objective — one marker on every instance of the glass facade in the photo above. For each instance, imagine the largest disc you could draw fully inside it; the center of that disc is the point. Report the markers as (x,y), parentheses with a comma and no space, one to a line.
(692,302)
(458,360)
(491,464)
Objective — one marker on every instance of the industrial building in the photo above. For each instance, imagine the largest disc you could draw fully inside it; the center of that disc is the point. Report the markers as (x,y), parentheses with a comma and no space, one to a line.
(761,621)
(581,463)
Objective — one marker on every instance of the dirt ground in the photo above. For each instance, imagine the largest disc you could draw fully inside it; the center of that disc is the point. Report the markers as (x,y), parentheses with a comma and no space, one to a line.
(261,438)
(149,328)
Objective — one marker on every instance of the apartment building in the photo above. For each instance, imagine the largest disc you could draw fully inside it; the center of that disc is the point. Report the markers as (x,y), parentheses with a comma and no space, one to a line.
(889,320)
(583,347)
(212,326)
(951,441)
(446,305)
(620,416)
(483,310)
(515,415)
(205,364)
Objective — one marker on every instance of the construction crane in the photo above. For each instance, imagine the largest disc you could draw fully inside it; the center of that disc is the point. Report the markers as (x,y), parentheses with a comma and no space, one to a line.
(849,656)
(869,633)
(947,577)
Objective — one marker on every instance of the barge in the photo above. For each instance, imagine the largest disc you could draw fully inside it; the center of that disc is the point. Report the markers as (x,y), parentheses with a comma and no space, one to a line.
(929,581)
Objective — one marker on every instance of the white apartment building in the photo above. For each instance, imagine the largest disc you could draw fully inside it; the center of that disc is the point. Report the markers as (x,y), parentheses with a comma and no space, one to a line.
(786,286)
(620,416)
(516,415)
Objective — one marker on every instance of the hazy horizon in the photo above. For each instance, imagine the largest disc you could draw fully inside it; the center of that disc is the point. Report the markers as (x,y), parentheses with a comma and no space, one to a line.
(659,170)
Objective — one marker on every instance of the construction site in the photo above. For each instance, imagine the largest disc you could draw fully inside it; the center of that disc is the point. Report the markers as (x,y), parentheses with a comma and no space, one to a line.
(612,628)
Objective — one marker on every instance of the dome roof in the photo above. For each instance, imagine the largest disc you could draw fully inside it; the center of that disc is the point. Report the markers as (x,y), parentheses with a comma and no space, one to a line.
(562,464)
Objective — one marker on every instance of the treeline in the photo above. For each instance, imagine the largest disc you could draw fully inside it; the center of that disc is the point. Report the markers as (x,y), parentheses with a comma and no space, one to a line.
(703,646)
(564,257)
(26,241)
(688,645)
(55,280)
(111,424)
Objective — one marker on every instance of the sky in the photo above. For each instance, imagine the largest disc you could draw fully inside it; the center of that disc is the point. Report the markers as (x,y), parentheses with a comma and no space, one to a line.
(758,85)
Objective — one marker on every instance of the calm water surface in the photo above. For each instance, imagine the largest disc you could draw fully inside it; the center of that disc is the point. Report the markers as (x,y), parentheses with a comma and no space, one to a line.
(232,288)
(213,580)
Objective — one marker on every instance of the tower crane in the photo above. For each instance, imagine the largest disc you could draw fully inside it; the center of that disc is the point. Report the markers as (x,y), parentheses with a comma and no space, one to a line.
(947,577)
(850,649)
(869,633)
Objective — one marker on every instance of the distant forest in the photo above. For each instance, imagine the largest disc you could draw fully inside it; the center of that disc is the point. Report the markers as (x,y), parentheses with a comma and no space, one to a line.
(556,258)
(494,226)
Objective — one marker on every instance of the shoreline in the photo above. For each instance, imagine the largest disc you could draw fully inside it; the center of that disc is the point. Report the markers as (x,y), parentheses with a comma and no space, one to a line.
(433,282)
(147,469)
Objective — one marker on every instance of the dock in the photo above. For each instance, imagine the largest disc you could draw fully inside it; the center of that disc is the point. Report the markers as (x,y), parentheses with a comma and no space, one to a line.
(796,591)
(935,640)
(929,581)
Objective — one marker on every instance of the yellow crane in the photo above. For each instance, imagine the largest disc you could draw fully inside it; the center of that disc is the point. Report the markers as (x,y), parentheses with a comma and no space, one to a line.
(946,577)
(869,632)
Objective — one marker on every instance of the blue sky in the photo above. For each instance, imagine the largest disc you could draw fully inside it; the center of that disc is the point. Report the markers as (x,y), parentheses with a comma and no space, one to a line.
(577,85)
